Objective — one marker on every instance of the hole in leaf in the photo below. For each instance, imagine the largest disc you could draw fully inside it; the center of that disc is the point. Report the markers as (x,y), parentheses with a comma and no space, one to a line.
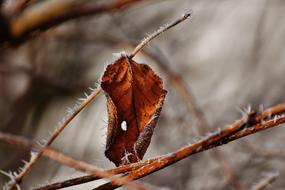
(124,126)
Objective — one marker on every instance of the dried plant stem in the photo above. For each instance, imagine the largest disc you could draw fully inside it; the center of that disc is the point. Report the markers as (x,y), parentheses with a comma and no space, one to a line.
(264,120)
(48,152)
(158,32)
(36,156)
(93,177)
(240,128)
(263,184)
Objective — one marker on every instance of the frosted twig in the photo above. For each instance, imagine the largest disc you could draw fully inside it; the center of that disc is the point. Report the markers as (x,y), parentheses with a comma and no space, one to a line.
(48,152)
(158,32)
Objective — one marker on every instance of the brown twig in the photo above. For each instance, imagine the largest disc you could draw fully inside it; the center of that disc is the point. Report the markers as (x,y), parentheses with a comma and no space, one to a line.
(22,142)
(93,177)
(264,120)
(267,180)
(62,125)
(158,32)
(242,127)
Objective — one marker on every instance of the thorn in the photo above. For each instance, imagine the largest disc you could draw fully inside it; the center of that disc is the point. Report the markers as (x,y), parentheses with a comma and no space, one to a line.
(81,100)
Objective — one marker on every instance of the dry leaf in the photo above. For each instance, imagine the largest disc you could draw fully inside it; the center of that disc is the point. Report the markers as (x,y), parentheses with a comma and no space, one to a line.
(135,97)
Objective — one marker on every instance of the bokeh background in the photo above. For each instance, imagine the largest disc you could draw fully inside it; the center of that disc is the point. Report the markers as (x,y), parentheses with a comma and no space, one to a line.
(230,54)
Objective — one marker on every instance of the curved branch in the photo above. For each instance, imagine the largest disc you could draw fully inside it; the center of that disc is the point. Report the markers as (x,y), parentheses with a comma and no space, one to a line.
(53,12)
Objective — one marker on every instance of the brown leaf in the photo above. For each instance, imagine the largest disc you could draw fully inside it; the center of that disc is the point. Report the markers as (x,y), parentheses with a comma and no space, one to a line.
(135,97)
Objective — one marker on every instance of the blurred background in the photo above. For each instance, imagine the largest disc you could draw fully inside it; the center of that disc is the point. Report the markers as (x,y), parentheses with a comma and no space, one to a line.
(229,55)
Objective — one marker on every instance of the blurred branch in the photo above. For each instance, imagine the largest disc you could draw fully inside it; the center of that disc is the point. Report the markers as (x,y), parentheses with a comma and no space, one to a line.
(265,151)
(258,40)
(17,7)
(267,180)
(47,14)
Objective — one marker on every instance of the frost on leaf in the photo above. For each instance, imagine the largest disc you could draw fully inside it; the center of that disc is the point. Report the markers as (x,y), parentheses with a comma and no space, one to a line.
(135,97)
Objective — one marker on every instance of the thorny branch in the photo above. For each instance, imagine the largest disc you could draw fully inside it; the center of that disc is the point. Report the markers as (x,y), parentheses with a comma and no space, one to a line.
(62,158)
(93,177)
(247,125)
(22,142)
(62,125)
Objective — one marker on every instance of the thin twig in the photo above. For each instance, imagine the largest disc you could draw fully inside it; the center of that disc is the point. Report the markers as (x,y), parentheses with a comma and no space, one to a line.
(267,180)
(158,32)
(51,153)
(62,125)
(241,128)
(84,179)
